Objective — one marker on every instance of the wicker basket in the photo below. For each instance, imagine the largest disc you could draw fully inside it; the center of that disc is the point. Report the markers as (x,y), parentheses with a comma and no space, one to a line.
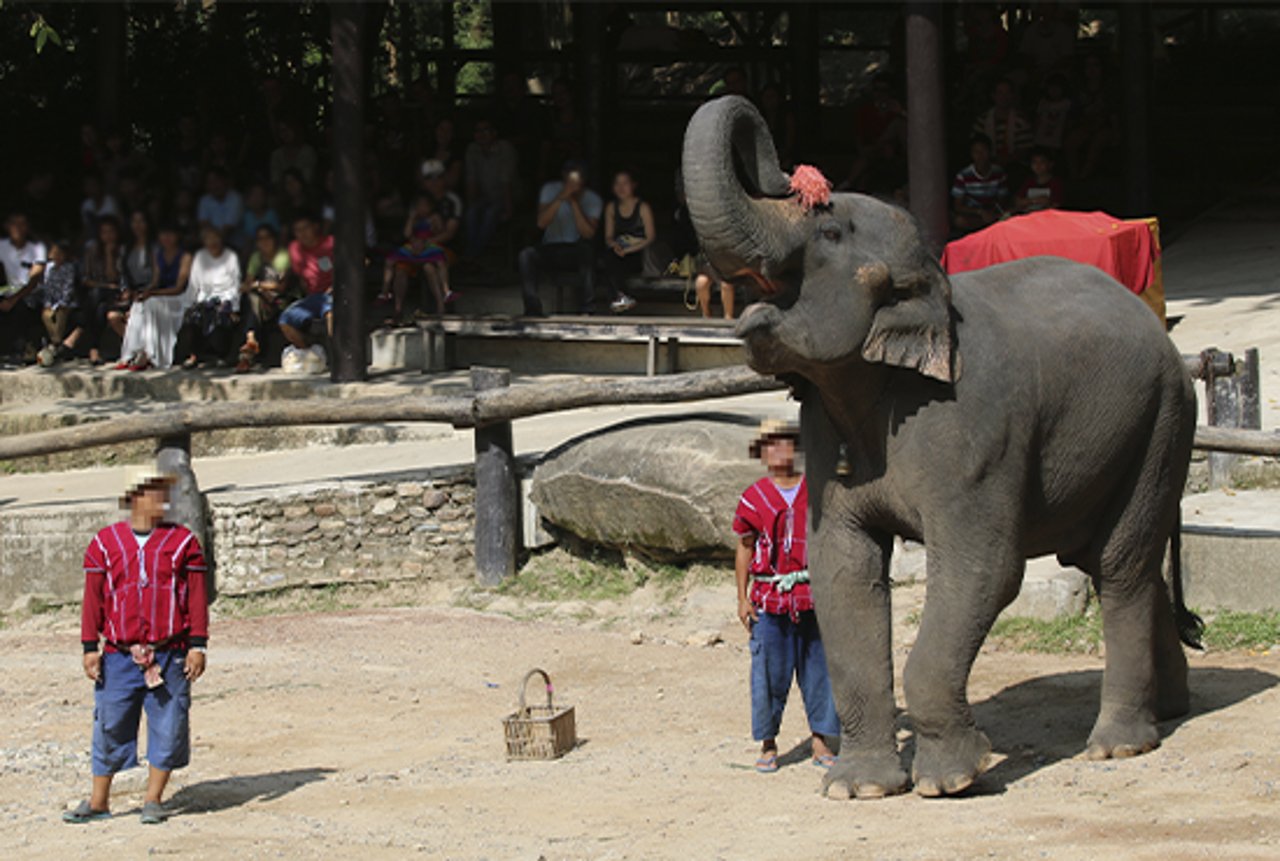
(539,732)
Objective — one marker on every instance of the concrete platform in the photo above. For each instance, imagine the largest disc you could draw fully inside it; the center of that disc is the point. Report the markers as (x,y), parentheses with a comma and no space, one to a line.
(1231,550)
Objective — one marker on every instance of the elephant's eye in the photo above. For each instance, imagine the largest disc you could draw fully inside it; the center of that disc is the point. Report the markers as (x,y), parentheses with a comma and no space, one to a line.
(830,231)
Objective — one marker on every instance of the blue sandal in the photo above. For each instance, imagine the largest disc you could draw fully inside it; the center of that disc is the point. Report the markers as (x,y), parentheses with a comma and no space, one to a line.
(767,764)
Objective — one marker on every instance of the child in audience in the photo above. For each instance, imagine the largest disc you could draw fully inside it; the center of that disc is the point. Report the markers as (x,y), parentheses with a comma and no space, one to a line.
(1042,190)
(775,603)
(418,254)
(59,289)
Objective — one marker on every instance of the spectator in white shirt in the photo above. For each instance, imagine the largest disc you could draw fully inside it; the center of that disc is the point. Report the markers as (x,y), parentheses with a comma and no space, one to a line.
(23,260)
(213,316)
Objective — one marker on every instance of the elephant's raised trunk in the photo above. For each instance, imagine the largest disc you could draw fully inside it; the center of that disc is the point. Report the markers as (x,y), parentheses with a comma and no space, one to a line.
(738,196)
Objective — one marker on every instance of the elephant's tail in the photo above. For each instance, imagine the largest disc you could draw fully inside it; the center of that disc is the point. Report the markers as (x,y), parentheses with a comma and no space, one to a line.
(1190,625)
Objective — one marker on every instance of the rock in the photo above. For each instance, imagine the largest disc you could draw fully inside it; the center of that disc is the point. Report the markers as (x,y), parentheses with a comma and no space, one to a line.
(704,639)
(324,510)
(408,488)
(385,506)
(433,499)
(667,488)
(637,637)
(1050,591)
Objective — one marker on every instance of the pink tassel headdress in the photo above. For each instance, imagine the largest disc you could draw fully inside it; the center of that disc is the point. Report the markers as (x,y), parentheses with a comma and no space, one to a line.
(811,187)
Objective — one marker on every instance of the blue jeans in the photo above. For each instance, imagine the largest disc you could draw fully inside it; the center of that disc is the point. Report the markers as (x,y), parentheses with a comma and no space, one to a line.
(313,307)
(119,699)
(782,650)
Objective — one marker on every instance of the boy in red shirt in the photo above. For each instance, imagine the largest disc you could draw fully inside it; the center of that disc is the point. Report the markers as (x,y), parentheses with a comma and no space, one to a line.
(774,600)
(144,593)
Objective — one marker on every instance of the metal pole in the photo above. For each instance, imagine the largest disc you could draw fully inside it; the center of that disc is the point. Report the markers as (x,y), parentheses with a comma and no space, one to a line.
(926,121)
(186,503)
(349,344)
(497,489)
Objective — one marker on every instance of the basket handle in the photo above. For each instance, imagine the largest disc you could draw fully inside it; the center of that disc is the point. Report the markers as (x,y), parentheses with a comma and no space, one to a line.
(525,684)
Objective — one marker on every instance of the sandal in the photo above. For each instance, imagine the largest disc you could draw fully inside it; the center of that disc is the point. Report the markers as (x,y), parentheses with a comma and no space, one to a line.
(190,363)
(83,814)
(826,760)
(767,763)
(153,813)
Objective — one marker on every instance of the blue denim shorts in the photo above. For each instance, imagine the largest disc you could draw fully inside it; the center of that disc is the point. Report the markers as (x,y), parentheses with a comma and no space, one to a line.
(300,314)
(119,699)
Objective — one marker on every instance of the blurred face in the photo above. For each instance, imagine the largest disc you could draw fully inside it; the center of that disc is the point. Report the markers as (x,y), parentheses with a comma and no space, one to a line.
(981,155)
(444,132)
(257,198)
(266,244)
(57,254)
(92,187)
(1041,166)
(215,184)
(286,134)
(108,234)
(169,239)
(212,241)
(624,187)
(485,133)
(18,229)
(293,185)
(779,454)
(150,503)
(305,230)
(1002,96)
(422,207)
(138,225)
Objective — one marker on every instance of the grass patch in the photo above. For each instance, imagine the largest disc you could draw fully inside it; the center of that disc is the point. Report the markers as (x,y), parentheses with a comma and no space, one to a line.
(1061,636)
(326,598)
(1228,629)
(561,577)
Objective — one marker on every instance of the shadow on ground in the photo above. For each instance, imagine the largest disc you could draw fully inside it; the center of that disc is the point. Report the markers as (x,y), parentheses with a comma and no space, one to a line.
(1042,721)
(211,796)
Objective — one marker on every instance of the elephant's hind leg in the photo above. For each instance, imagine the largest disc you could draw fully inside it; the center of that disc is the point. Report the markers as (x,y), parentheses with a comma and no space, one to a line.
(1145,678)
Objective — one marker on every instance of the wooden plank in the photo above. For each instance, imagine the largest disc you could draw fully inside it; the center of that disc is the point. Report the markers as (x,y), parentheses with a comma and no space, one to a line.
(1238,440)
(567,328)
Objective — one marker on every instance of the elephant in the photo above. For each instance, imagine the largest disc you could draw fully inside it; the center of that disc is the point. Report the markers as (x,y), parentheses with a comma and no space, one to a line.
(1035,407)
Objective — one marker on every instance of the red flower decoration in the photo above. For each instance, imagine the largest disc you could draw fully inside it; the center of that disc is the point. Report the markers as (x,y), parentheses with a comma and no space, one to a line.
(812,188)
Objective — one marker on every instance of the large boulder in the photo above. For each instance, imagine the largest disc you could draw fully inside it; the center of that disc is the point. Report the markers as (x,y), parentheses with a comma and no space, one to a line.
(665,488)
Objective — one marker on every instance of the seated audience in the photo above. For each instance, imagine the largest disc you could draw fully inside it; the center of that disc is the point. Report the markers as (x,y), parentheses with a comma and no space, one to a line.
(880,132)
(491,185)
(214,311)
(446,149)
(96,204)
(296,199)
(60,304)
(1052,113)
(24,260)
(418,255)
(264,293)
(568,216)
(628,231)
(139,270)
(258,212)
(293,153)
(689,262)
(221,207)
(980,191)
(104,287)
(435,182)
(1042,190)
(158,310)
(1005,126)
(311,269)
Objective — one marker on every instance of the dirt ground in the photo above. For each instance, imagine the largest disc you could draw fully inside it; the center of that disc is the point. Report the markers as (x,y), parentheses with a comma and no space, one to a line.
(375,733)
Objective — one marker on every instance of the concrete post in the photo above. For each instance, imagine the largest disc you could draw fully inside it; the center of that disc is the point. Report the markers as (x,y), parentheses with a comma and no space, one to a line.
(497,490)
(186,503)
(926,121)
(1250,403)
(1223,411)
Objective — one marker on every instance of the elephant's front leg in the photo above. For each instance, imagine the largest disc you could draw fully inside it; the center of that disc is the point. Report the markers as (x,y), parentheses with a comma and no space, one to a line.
(850,579)
(969,583)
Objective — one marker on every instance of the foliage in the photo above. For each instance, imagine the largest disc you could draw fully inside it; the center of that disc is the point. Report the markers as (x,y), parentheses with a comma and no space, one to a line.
(1228,629)
(1063,635)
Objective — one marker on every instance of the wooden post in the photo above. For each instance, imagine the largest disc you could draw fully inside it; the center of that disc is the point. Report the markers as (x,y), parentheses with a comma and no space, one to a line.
(926,121)
(186,503)
(349,344)
(1223,409)
(1250,403)
(497,489)
(1135,70)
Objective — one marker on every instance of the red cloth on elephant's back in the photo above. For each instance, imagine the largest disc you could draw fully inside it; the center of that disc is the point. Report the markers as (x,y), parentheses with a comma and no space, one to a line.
(1122,249)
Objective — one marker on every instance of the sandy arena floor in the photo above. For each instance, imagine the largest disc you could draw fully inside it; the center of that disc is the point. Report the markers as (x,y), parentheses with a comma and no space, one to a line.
(375,733)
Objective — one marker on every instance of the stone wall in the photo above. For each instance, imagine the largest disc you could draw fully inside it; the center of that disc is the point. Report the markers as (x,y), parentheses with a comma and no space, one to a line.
(346,533)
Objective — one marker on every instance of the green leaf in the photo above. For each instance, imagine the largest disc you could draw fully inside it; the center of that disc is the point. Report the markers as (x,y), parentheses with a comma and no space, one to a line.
(54,37)
(35,26)
(41,38)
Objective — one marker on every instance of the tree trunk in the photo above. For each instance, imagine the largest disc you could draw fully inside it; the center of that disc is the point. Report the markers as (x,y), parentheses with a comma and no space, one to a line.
(349,344)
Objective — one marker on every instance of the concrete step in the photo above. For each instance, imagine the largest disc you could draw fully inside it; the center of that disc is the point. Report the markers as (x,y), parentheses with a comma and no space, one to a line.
(1231,550)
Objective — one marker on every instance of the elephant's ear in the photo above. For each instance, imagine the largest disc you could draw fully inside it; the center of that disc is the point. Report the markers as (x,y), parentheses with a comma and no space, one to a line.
(914,329)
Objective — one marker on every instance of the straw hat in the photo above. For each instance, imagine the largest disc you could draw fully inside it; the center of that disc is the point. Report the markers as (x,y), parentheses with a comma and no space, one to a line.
(139,476)
(773,429)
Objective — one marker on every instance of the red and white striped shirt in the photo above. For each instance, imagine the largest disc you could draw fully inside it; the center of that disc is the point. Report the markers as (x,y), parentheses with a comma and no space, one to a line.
(779,530)
(148,591)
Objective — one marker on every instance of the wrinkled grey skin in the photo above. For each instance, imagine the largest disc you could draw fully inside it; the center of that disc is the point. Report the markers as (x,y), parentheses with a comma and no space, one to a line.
(1031,408)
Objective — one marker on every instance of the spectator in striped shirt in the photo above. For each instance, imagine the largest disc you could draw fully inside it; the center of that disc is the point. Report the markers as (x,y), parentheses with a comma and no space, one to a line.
(144,594)
(980,192)
(774,600)
(1005,126)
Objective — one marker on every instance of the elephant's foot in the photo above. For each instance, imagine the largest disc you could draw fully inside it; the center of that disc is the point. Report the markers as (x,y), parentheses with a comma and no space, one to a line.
(1117,737)
(948,764)
(864,775)
(1174,699)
